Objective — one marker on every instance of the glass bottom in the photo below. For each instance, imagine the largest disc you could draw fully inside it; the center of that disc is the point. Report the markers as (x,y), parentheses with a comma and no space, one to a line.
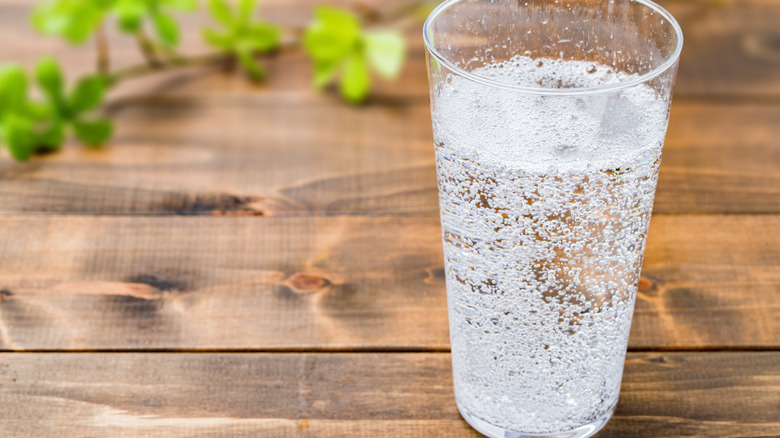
(493,431)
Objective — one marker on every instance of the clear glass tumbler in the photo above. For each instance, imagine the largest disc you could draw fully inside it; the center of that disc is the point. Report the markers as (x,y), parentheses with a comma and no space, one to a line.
(549,117)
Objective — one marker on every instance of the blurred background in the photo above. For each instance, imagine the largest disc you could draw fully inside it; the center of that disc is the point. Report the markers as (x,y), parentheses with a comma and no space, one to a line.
(205,139)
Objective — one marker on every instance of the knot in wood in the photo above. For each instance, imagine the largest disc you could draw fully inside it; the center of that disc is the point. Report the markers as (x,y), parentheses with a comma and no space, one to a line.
(645,284)
(308,282)
(763,46)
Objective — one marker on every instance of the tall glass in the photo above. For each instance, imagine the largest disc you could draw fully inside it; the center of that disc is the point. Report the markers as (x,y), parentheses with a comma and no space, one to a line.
(549,117)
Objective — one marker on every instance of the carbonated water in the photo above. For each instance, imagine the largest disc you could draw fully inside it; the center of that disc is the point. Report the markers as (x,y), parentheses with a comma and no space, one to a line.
(543,237)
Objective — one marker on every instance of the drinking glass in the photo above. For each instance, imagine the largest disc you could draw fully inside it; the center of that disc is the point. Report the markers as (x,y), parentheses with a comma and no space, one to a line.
(549,117)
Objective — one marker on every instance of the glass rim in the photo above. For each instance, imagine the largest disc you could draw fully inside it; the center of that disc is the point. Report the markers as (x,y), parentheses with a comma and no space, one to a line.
(557,91)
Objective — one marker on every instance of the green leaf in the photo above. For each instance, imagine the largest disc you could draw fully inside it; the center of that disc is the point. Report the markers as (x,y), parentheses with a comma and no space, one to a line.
(13,89)
(88,94)
(50,78)
(251,66)
(386,51)
(183,5)
(246,9)
(219,40)
(324,72)
(74,20)
(356,81)
(334,34)
(242,37)
(130,15)
(263,37)
(167,28)
(43,110)
(343,21)
(51,137)
(94,132)
(18,135)
(221,12)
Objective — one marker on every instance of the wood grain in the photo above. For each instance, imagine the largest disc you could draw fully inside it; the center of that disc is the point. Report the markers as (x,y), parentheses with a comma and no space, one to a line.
(720,159)
(262,156)
(346,283)
(352,395)
(252,157)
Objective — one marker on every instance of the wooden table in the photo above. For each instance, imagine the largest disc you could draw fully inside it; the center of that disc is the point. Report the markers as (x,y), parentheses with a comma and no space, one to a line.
(265,261)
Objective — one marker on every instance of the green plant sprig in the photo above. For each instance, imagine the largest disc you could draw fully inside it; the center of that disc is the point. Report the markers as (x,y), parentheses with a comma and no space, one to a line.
(38,125)
(339,46)
(336,41)
(241,36)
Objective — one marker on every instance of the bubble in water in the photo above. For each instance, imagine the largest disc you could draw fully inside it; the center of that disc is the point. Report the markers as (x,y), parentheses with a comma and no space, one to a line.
(563,150)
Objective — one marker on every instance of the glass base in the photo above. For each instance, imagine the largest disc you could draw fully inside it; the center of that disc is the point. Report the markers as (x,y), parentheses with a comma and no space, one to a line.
(493,431)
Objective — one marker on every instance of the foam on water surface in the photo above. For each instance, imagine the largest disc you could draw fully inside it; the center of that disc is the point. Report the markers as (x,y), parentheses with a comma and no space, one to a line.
(549,132)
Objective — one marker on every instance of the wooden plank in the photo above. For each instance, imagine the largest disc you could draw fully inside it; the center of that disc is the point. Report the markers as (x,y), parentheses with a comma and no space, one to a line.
(709,282)
(352,395)
(220,282)
(346,283)
(275,157)
(730,50)
(720,159)
(264,158)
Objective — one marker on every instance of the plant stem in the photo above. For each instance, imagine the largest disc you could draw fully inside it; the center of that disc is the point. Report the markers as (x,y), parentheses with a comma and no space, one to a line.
(147,49)
(103,56)
(145,69)
(372,15)
(213,58)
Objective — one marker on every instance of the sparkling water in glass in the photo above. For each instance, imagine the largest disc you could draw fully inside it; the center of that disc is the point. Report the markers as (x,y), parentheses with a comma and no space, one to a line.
(549,119)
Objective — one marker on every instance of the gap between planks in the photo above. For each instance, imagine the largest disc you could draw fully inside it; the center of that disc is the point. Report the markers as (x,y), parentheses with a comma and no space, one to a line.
(368,350)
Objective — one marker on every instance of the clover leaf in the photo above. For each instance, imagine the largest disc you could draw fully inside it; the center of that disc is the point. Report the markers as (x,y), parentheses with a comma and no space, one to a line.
(356,82)
(71,109)
(88,94)
(74,20)
(50,78)
(28,125)
(386,51)
(18,135)
(241,35)
(94,132)
(13,89)
(337,45)
(15,124)
(77,20)
(129,14)
(132,14)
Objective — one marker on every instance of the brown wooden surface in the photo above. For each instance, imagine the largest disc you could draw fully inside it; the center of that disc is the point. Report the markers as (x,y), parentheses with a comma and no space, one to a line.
(314,250)
(348,282)
(258,156)
(327,395)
